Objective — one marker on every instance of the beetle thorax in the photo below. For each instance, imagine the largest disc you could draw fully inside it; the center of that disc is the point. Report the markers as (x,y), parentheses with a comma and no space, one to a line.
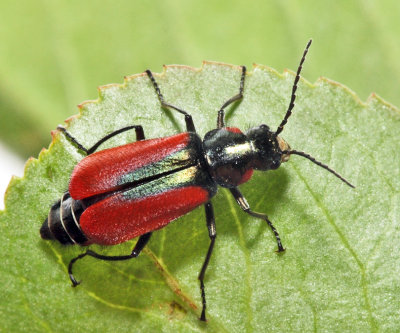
(229,154)
(232,155)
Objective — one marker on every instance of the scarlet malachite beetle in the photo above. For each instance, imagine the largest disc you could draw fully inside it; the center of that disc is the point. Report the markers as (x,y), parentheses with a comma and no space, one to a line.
(146,184)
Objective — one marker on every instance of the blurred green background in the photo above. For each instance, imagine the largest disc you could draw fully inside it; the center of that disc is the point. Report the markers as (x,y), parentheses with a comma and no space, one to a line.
(53,54)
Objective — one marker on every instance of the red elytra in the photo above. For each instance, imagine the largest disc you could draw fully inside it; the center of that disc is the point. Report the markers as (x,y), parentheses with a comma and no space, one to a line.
(119,217)
(115,220)
(100,172)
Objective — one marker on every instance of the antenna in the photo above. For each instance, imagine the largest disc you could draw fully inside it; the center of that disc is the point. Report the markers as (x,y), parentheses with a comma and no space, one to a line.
(293,98)
(322,165)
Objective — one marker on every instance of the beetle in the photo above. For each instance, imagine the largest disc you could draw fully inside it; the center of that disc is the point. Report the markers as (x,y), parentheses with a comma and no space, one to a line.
(146,184)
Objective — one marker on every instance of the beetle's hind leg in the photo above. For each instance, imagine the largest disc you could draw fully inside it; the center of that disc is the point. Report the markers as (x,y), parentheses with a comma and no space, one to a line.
(138,129)
(141,243)
(239,95)
(188,118)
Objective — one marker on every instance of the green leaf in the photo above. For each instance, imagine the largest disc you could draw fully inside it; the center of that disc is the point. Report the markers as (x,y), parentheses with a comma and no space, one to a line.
(339,272)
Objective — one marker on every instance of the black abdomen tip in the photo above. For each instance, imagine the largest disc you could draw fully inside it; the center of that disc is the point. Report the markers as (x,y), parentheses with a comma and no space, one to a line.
(45,232)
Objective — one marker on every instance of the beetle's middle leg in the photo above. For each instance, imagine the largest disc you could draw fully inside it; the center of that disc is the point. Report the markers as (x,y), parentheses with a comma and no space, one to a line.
(188,118)
(212,233)
(138,129)
(141,243)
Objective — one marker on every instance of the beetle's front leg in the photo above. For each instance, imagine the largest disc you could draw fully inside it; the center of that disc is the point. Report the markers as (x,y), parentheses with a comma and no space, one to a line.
(188,118)
(238,96)
(241,200)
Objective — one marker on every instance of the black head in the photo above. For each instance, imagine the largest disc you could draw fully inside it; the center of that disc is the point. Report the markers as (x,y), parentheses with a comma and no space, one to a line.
(273,150)
(268,147)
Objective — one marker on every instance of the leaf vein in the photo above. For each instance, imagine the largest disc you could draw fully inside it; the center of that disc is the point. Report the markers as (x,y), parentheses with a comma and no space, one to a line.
(347,245)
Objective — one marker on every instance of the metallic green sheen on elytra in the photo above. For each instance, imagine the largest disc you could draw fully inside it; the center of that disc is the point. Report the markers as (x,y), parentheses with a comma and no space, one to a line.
(192,176)
(171,163)
(182,168)
(189,155)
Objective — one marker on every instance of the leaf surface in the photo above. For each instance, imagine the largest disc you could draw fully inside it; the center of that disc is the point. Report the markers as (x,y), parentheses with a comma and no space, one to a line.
(339,273)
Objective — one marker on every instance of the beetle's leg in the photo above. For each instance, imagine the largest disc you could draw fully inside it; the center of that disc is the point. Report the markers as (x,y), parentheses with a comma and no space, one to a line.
(188,118)
(241,200)
(221,112)
(212,233)
(141,243)
(138,130)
